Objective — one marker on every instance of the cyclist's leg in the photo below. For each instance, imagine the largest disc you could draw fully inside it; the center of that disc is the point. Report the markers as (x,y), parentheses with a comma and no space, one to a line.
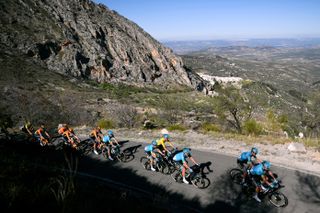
(109,151)
(152,160)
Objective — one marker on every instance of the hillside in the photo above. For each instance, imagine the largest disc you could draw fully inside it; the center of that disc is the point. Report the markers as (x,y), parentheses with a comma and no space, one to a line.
(81,39)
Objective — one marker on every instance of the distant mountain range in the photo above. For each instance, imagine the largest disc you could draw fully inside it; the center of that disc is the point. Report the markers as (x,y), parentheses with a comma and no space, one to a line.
(182,47)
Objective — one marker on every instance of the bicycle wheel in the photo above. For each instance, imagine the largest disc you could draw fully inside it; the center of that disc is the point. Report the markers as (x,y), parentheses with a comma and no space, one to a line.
(60,144)
(201,182)
(163,168)
(121,157)
(236,175)
(278,199)
(145,162)
(177,176)
(128,157)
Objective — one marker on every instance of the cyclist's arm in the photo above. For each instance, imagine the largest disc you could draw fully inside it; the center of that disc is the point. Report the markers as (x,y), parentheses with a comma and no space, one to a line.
(78,139)
(68,136)
(265,180)
(192,159)
(249,163)
(157,150)
(171,144)
(28,130)
(271,174)
(96,136)
(258,160)
(40,135)
(47,134)
(115,140)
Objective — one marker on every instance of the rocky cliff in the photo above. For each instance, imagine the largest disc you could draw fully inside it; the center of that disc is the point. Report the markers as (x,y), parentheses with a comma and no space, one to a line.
(89,41)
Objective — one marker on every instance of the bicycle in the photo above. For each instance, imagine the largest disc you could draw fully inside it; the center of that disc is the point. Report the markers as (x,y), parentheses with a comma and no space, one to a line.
(275,197)
(116,153)
(197,178)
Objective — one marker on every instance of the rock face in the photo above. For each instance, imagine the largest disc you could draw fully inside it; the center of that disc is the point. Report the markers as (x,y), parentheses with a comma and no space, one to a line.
(89,41)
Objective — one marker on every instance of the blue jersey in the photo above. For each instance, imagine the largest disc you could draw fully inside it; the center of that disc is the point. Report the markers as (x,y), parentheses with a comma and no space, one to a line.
(257,170)
(179,157)
(246,156)
(106,139)
(149,148)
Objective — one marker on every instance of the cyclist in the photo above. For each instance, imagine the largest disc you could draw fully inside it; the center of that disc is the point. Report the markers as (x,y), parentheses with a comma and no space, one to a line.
(180,159)
(28,128)
(151,150)
(62,128)
(107,141)
(96,136)
(112,137)
(68,135)
(247,160)
(259,177)
(161,144)
(42,135)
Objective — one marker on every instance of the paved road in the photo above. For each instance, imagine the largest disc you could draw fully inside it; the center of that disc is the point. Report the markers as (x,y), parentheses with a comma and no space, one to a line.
(302,190)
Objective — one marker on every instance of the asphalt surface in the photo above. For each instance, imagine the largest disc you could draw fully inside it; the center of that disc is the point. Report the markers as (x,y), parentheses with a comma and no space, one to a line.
(301,189)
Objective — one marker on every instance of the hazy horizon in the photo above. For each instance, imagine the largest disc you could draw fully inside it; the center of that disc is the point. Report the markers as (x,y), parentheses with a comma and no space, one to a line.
(227,20)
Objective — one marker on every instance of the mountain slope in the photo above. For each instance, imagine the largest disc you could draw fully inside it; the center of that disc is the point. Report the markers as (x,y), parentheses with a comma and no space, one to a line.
(89,41)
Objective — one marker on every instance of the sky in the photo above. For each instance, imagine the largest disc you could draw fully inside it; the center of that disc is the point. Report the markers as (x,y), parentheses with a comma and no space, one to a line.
(221,19)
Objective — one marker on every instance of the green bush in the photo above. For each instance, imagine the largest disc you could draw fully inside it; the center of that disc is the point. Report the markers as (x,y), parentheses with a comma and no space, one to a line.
(209,127)
(106,124)
(177,127)
(251,127)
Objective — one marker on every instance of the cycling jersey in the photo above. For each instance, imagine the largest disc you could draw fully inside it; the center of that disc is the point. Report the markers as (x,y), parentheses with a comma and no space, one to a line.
(62,130)
(257,170)
(246,156)
(28,126)
(148,148)
(40,132)
(95,133)
(67,133)
(179,157)
(106,139)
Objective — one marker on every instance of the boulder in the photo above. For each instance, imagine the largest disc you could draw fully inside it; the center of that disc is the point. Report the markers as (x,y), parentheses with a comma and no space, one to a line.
(297,147)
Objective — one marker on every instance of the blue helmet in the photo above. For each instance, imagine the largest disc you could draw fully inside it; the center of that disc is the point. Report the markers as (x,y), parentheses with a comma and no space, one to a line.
(187,151)
(110,132)
(106,138)
(154,143)
(266,164)
(255,150)
(166,136)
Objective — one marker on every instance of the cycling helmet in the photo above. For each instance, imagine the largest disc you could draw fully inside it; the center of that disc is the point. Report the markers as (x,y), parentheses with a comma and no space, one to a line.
(110,132)
(166,136)
(266,164)
(254,150)
(154,142)
(106,138)
(187,151)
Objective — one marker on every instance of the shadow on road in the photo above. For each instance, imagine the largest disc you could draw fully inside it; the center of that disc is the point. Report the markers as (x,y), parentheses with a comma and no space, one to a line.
(132,149)
(308,188)
(133,193)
